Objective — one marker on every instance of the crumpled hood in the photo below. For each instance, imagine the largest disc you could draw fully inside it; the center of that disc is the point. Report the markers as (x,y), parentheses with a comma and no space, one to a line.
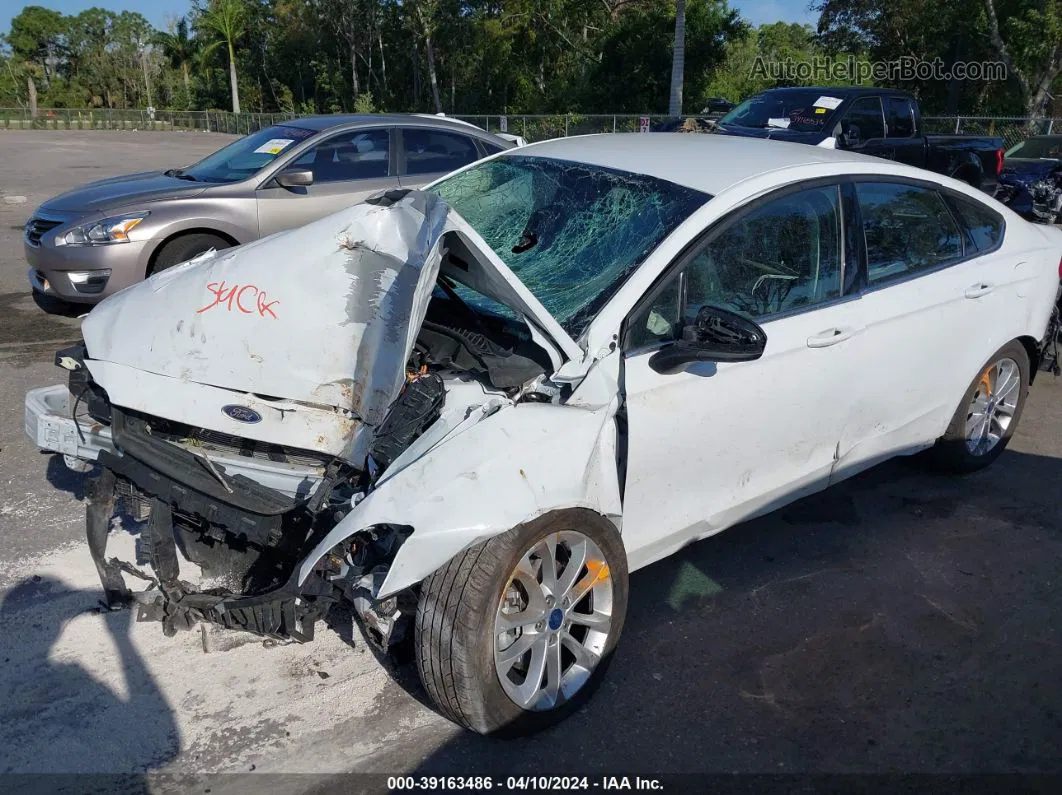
(325,314)
(110,194)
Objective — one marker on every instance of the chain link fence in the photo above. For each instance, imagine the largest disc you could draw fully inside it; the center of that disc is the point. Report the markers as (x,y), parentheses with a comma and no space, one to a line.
(1012,129)
(532,127)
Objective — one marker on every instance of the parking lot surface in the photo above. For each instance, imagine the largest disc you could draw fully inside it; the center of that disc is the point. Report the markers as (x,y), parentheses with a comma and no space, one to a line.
(899,622)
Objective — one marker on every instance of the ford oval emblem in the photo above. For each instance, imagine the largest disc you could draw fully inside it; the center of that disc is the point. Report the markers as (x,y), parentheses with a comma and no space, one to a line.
(241,414)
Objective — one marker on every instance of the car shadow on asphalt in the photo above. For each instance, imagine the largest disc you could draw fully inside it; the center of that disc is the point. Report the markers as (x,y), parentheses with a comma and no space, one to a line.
(895,622)
(60,476)
(57,718)
(55,306)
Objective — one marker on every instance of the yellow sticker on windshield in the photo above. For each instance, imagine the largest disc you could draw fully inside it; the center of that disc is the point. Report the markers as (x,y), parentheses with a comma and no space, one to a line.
(274,146)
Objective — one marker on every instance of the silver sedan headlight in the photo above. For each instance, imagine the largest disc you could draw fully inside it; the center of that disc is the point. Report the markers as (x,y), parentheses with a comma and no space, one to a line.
(97,233)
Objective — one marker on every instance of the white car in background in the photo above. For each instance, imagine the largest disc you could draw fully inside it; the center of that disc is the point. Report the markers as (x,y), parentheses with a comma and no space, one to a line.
(472,410)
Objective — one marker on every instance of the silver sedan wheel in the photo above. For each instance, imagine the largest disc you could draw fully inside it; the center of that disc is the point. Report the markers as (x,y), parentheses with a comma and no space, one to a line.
(993,406)
(553,621)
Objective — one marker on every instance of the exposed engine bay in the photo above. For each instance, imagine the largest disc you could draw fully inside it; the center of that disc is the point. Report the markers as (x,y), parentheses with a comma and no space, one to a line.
(245,511)
(245,537)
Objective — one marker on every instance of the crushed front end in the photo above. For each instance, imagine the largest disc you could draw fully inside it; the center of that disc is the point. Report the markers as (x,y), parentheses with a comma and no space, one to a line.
(243,538)
(237,441)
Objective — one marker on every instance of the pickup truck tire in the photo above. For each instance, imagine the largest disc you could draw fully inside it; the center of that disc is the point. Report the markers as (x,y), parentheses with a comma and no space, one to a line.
(183,248)
(988,414)
(498,584)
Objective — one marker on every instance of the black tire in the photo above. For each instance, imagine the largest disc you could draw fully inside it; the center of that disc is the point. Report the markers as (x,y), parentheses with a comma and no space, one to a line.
(951,454)
(183,248)
(455,623)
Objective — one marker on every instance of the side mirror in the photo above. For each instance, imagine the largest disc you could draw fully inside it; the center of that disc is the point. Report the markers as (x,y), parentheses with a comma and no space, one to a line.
(295,178)
(717,335)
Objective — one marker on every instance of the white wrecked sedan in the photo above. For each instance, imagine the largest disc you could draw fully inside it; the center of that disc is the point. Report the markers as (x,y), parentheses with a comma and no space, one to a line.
(471,411)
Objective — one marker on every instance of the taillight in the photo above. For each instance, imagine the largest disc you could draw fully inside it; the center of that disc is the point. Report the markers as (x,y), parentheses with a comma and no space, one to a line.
(999,162)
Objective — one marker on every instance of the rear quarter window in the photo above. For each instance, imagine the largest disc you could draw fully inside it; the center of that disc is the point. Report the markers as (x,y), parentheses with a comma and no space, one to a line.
(984,227)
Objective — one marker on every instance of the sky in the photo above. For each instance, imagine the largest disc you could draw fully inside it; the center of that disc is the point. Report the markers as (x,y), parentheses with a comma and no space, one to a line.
(158,12)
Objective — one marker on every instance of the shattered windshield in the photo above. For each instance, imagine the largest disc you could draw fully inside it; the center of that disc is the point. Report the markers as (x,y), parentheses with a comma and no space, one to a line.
(802,111)
(571,232)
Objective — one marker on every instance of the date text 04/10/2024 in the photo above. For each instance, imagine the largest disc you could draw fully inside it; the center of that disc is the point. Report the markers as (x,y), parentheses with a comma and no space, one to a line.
(522,783)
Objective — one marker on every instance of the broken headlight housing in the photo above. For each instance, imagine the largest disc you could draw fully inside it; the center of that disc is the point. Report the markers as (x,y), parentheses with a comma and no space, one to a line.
(115,229)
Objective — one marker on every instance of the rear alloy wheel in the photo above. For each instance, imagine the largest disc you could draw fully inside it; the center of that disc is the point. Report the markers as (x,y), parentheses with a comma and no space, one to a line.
(515,633)
(989,414)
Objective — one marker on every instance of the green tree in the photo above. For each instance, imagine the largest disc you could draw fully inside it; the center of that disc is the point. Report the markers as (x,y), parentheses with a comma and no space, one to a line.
(226,22)
(425,19)
(632,73)
(678,60)
(1030,43)
(35,39)
(951,30)
(180,49)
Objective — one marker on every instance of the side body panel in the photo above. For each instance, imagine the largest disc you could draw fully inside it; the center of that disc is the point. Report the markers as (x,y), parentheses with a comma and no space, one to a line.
(714,444)
(472,486)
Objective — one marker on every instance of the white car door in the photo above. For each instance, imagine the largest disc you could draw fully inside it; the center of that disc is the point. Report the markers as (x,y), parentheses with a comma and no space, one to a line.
(930,312)
(713,444)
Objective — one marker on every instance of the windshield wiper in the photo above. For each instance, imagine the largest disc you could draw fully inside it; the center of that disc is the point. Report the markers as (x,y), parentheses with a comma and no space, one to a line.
(179,174)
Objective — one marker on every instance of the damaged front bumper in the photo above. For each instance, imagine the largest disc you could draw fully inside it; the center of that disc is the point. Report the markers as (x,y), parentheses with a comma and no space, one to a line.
(251,520)
(50,424)
(244,536)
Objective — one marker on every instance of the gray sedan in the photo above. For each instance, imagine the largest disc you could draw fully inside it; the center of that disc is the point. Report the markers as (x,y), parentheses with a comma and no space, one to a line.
(93,241)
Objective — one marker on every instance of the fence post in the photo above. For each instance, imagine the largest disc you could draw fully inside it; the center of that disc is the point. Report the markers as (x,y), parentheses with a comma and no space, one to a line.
(565,125)
(1050,125)
(958,120)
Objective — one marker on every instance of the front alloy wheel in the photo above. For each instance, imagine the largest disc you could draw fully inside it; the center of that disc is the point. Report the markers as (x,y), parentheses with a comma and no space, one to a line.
(554,620)
(516,633)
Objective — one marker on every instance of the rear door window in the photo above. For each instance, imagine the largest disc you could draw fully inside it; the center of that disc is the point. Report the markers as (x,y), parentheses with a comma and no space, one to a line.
(433,152)
(908,228)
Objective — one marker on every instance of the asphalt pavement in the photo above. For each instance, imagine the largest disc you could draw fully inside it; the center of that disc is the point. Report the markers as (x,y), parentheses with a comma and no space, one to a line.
(901,622)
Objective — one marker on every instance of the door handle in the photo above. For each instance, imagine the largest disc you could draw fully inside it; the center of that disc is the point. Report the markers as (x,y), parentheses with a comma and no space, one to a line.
(831,336)
(979,289)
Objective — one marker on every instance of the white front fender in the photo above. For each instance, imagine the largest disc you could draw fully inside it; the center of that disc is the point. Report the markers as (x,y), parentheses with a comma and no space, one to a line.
(523,461)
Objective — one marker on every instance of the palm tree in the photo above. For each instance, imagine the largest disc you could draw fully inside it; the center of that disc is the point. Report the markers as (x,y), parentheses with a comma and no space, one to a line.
(427,12)
(678,60)
(227,21)
(180,49)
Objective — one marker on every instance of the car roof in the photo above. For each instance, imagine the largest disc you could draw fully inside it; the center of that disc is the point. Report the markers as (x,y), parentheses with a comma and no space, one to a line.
(835,91)
(322,123)
(704,162)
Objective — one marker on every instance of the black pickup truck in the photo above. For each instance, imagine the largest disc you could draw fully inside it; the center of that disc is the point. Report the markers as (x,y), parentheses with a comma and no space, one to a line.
(873,121)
